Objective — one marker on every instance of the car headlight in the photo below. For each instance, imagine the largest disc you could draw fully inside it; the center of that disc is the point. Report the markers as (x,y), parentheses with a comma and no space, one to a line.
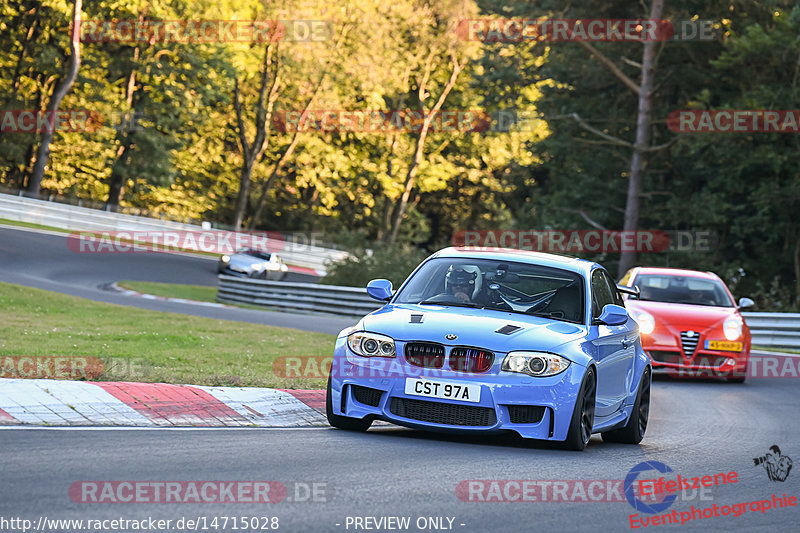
(535,363)
(257,266)
(732,328)
(646,322)
(225,259)
(371,344)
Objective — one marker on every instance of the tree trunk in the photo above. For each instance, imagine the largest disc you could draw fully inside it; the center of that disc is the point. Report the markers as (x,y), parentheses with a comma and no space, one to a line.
(116,184)
(411,177)
(118,175)
(252,152)
(419,151)
(30,37)
(244,191)
(43,154)
(638,163)
(262,200)
(797,274)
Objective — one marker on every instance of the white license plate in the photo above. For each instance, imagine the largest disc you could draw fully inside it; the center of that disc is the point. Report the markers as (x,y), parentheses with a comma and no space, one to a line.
(446,390)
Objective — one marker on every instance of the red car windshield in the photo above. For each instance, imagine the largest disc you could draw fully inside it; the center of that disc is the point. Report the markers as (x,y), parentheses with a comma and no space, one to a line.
(682,290)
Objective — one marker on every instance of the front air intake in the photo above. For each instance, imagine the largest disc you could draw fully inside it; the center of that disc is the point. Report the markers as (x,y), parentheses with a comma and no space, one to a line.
(473,360)
(425,354)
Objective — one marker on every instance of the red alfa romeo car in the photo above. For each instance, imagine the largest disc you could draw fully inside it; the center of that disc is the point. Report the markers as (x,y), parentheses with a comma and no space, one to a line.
(689,323)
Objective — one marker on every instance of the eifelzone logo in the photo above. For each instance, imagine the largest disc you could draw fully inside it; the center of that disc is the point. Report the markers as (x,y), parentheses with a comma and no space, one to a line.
(776,464)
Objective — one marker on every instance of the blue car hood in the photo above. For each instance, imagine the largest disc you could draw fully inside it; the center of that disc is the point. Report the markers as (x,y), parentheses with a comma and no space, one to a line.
(473,327)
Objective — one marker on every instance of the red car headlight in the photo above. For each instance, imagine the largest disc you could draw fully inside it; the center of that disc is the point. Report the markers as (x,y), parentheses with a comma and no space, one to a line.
(732,327)
(646,321)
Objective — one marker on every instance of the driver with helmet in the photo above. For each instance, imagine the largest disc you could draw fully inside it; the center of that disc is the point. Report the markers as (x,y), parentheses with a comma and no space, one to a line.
(461,282)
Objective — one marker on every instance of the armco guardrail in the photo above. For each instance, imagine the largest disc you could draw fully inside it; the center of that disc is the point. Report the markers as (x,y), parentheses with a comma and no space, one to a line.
(780,330)
(304,297)
(768,329)
(75,218)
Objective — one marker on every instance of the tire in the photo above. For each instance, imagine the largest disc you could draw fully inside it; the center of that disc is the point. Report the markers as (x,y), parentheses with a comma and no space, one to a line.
(343,422)
(580,427)
(634,430)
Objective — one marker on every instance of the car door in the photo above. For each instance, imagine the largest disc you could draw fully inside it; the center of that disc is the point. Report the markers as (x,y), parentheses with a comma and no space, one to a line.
(614,348)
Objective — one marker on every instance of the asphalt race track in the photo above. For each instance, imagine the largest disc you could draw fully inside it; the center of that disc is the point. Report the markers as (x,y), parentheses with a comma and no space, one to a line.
(44,261)
(696,428)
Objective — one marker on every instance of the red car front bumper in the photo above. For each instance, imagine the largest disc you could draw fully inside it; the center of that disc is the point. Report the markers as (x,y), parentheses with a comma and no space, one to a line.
(674,356)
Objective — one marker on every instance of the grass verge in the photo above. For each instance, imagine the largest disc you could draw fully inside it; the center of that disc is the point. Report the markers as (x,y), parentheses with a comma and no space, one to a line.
(152,346)
(8,222)
(774,349)
(200,293)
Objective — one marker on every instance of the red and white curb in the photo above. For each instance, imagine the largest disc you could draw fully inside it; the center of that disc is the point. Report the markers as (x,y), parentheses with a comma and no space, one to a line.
(81,403)
(128,292)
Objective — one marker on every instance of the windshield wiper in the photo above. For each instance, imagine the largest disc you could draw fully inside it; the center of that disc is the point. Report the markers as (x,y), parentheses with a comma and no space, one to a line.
(452,304)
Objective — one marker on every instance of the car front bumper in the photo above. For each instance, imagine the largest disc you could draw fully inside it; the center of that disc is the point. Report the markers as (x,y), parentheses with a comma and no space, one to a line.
(533,407)
(670,359)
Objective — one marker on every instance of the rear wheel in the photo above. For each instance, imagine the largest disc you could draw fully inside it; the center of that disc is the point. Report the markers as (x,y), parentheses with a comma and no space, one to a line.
(580,428)
(634,430)
(343,422)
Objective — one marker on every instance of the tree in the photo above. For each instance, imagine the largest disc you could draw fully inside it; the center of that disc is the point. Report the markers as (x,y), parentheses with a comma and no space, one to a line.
(63,87)
(252,151)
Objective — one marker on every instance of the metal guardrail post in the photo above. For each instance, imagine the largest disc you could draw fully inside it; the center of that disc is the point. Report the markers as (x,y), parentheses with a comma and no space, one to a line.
(298,297)
(778,330)
(77,218)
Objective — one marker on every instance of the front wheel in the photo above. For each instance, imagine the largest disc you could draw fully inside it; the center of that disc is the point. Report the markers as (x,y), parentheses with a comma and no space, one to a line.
(343,422)
(633,432)
(580,428)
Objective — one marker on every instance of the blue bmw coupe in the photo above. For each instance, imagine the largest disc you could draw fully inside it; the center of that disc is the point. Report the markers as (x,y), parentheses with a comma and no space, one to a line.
(496,340)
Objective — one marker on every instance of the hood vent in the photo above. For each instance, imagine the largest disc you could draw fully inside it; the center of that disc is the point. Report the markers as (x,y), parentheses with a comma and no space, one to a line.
(416,319)
(508,329)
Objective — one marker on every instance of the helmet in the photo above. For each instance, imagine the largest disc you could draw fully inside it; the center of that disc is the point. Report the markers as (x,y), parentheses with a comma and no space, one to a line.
(459,280)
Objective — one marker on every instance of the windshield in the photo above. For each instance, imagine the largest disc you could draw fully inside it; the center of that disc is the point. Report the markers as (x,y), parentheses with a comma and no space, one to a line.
(499,285)
(683,290)
(256,253)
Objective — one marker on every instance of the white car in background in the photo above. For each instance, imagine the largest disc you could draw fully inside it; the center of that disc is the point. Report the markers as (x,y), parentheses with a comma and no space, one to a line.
(249,263)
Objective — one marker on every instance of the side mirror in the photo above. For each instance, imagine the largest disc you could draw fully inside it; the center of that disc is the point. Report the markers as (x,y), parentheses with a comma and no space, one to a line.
(613,315)
(744,303)
(632,291)
(380,289)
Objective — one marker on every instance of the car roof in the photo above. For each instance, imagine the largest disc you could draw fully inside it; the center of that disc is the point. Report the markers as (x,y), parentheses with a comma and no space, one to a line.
(662,271)
(564,262)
